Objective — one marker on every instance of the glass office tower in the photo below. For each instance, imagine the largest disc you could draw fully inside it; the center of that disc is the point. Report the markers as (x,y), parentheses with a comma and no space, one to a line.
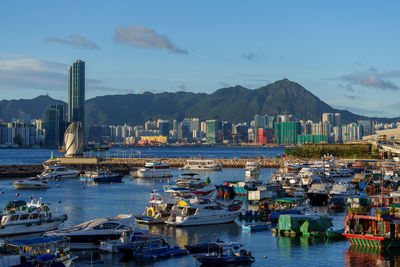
(76,92)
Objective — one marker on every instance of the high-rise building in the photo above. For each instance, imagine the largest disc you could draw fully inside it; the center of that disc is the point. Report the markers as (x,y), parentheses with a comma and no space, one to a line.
(327,117)
(338,119)
(259,123)
(213,128)
(76,92)
(163,127)
(54,125)
(366,127)
(286,132)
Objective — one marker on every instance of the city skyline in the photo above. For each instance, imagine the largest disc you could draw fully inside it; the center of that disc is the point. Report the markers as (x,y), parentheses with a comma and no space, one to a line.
(329,48)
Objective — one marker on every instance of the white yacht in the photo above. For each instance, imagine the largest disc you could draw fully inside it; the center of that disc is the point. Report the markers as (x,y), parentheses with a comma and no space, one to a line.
(201,212)
(20,218)
(158,210)
(202,165)
(88,235)
(32,183)
(154,170)
(58,172)
(252,169)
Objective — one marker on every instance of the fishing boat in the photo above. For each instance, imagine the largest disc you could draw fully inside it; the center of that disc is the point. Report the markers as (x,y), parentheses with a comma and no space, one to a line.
(32,183)
(42,251)
(88,235)
(202,165)
(252,169)
(20,218)
(101,177)
(343,190)
(199,211)
(154,170)
(189,183)
(228,253)
(58,172)
(377,228)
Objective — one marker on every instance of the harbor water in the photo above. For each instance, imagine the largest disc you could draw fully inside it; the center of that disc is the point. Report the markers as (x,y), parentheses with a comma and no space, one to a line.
(82,202)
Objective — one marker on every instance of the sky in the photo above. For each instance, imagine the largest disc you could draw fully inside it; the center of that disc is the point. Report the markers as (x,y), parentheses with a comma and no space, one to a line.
(345,52)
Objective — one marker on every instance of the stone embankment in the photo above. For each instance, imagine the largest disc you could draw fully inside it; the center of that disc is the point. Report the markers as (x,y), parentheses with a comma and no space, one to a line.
(122,165)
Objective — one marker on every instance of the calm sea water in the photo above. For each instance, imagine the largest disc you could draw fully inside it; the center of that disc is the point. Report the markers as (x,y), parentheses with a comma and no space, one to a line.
(82,202)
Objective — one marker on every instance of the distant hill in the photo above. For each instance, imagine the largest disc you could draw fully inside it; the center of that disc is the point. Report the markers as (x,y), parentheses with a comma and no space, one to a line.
(10,109)
(236,104)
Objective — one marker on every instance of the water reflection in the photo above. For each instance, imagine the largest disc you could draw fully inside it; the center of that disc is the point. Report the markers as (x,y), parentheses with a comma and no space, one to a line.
(368,256)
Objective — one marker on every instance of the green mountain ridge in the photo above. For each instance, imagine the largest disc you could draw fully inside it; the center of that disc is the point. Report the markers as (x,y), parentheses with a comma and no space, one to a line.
(235,104)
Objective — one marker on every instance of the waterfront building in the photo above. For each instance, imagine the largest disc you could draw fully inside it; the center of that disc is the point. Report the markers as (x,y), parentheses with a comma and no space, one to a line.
(150,125)
(337,132)
(286,132)
(241,131)
(54,125)
(311,139)
(203,126)
(351,132)
(163,127)
(213,128)
(76,92)
(270,120)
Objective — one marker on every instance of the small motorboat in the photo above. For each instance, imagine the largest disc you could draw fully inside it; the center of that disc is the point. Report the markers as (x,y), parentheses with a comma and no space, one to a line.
(204,247)
(254,227)
(32,183)
(88,235)
(228,253)
(101,177)
(145,246)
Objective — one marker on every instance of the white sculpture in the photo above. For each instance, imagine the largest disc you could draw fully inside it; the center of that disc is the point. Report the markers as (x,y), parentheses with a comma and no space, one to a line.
(74,140)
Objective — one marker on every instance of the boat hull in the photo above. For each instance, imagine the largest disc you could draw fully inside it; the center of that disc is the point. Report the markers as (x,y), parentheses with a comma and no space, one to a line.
(205,219)
(317,199)
(223,260)
(30,186)
(22,229)
(111,179)
(372,241)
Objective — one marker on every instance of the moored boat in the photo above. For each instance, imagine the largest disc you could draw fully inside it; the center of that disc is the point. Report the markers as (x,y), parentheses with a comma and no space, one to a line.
(58,172)
(88,235)
(101,177)
(32,183)
(154,170)
(228,253)
(202,165)
(20,218)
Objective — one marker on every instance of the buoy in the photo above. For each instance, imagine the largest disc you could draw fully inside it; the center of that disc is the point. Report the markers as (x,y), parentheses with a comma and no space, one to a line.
(83,187)
(58,201)
(2,192)
(57,185)
(30,197)
(265,257)
(16,194)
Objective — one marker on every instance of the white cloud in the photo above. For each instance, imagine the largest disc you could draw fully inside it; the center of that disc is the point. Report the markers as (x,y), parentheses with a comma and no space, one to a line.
(371,78)
(74,40)
(138,36)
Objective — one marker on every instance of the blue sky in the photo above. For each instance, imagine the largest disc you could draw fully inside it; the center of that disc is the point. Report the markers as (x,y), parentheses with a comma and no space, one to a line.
(345,52)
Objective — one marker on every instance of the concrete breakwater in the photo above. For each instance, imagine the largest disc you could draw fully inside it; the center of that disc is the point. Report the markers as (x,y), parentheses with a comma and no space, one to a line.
(173,162)
(121,165)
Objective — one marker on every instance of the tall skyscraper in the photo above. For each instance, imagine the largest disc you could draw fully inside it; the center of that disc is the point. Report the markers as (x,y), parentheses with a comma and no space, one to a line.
(76,92)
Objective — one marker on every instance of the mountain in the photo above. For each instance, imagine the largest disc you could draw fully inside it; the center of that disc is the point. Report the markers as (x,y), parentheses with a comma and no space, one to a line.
(10,109)
(236,104)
